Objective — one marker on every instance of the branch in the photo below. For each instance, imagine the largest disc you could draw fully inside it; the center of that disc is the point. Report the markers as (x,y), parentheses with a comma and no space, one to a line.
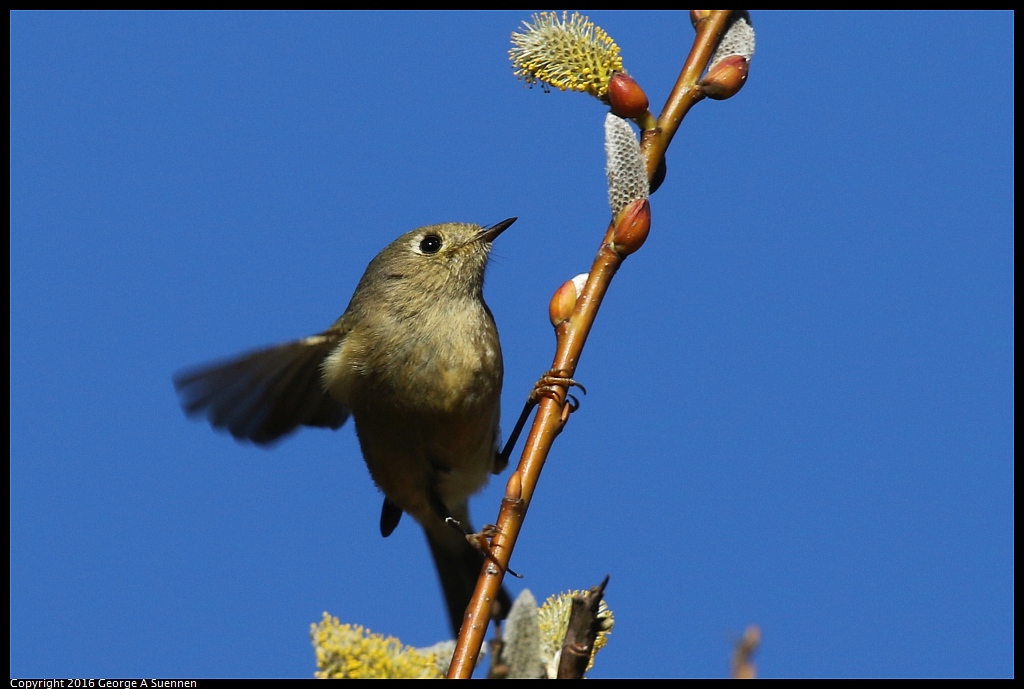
(687,92)
(584,625)
(571,333)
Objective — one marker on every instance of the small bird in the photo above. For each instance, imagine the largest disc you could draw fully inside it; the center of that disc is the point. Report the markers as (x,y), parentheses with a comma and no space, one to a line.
(415,360)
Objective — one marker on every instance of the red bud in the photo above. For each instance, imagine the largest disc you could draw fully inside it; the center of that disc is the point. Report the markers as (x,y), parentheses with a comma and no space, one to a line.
(626,97)
(632,225)
(726,77)
(563,302)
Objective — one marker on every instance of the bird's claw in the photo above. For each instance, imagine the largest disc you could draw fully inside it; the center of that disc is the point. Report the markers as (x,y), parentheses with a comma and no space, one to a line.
(481,540)
(553,385)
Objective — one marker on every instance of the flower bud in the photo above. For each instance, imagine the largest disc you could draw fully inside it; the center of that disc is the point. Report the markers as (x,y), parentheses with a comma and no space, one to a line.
(514,487)
(726,78)
(731,61)
(632,225)
(563,303)
(626,97)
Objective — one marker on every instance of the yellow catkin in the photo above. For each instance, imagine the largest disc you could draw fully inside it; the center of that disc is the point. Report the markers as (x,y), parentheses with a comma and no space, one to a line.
(569,53)
(347,651)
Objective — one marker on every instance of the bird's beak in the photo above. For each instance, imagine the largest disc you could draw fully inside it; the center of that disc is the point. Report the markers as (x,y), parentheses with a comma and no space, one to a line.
(490,233)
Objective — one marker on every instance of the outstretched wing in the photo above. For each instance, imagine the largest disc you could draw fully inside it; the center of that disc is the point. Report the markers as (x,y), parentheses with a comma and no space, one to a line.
(267,394)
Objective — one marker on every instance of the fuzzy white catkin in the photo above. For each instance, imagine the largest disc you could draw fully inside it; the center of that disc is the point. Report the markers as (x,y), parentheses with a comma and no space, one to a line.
(738,40)
(627,173)
(522,639)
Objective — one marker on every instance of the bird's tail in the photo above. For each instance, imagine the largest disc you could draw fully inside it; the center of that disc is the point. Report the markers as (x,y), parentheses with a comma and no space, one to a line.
(458,566)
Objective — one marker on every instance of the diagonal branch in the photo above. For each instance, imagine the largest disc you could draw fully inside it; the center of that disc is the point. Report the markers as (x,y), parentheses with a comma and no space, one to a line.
(571,335)
(687,91)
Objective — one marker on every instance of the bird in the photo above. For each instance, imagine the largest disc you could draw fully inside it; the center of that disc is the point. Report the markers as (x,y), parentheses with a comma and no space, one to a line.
(415,360)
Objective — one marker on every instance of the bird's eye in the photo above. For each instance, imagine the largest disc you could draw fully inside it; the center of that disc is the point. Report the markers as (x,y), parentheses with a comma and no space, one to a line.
(430,244)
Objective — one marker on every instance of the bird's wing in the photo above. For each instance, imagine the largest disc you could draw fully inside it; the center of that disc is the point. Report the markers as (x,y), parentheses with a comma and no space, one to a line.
(264,395)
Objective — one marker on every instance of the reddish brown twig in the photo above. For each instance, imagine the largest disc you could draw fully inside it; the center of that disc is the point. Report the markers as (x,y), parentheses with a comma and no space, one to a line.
(572,333)
(687,91)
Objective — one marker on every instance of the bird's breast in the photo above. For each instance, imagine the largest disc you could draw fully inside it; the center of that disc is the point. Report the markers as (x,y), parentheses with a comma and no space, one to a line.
(425,404)
(440,361)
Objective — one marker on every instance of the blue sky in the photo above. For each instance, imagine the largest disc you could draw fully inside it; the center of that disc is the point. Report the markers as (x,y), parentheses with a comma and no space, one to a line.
(800,408)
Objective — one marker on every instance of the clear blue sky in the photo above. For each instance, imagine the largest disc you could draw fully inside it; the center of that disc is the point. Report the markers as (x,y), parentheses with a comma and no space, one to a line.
(801,389)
